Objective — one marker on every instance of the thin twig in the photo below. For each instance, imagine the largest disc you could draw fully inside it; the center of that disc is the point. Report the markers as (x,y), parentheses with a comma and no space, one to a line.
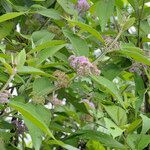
(139,24)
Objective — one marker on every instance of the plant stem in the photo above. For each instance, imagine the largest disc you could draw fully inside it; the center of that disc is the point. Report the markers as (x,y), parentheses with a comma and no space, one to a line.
(7,83)
(139,24)
(108,48)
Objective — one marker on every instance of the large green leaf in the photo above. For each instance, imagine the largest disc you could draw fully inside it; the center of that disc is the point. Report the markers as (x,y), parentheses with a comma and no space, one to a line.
(49,52)
(104,9)
(105,139)
(9,16)
(41,36)
(5,29)
(80,46)
(113,129)
(138,141)
(47,45)
(139,91)
(145,124)
(42,86)
(117,114)
(32,70)
(34,114)
(135,55)
(94,145)
(67,6)
(21,59)
(51,13)
(110,87)
(87,28)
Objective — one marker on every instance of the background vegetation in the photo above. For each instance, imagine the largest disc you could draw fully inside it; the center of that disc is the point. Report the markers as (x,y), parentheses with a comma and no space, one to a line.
(74,74)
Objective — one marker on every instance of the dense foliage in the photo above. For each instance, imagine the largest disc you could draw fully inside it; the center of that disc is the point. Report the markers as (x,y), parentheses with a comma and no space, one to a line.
(74,74)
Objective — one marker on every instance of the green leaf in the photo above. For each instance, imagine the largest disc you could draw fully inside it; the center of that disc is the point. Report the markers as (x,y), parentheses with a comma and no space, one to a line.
(87,28)
(117,114)
(21,59)
(51,13)
(94,145)
(134,125)
(104,9)
(32,113)
(67,6)
(128,24)
(32,70)
(35,132)
(135,55)
(47,45)
(9,16)
(5,29)
(66,146)
(49,52)
(81,49)
(145,124)
(103,138)
(42,86)
(138,141)
(113,129)
(42,36)
(110,87)
(7,66)
(139,91)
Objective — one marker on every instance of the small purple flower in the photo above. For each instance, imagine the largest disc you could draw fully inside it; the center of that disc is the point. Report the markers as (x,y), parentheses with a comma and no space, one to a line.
(137,67)
(4,96)
(83,5)
(91,104)
(83,66)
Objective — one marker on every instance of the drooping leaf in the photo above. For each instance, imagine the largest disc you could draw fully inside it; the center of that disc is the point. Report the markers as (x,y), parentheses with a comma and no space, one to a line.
(47,45)
(104,138)
(145,124)
(135,55)
(117,114)
(32,70)
(80,46)
(41,36)
(87,28)
(49,52)
(42,86)
(113,129)
(51,13)
(67,6)
(110,86)
(31,112)
(9,16)
(21,58)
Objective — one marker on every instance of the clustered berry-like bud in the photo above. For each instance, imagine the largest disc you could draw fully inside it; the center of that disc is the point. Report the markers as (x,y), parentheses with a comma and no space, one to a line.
(62,79)
(20,126)
(109,40)
(56,101)
(83,5)
(90,104)
(4,97)
(38,99)
(137,67)
(83,66)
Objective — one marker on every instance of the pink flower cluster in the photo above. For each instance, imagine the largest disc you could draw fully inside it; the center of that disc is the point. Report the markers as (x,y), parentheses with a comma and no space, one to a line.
(83,66)
(83,5)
